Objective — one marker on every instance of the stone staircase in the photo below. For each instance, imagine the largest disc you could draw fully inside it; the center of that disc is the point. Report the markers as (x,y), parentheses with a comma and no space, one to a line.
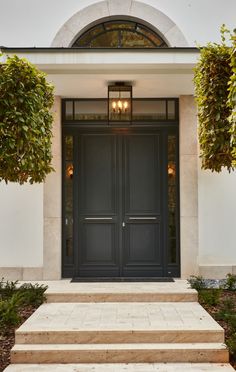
(120,327)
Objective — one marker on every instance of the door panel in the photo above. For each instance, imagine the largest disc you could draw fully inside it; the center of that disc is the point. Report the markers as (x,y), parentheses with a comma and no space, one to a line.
(98,232)
(141,174)
(142,232)
(98,178)
(143,246)
(99,243)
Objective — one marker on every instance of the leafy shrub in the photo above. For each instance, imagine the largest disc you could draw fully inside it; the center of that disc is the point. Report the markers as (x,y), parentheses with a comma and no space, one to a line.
(210,297)
(32,294)
(197,282)
(9,311)
(25,122)
(212,75)
(8,288)
(232,97)
(230,282)
(14,298)
(226,310)
(231,343)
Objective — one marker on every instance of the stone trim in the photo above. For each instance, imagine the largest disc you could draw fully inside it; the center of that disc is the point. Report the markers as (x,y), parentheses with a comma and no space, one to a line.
(216,271)
(188,154)
(102,10)
(52,208)
(21,273)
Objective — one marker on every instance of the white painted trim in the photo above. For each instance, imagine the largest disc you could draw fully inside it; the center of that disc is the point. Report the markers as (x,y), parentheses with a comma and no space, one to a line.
(103,10)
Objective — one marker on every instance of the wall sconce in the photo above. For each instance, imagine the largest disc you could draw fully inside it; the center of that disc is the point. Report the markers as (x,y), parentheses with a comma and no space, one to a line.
(69,171)
(120,102)
(171,169)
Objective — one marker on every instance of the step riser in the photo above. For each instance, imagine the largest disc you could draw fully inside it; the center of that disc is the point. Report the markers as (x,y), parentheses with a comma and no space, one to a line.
(111,337)
(121,356)
(121,297)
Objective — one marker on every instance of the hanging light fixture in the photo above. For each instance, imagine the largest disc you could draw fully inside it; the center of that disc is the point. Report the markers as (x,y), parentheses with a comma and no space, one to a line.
(120,102)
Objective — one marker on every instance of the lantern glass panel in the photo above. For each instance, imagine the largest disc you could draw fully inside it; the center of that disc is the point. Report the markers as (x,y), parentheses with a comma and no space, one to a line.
(120,104)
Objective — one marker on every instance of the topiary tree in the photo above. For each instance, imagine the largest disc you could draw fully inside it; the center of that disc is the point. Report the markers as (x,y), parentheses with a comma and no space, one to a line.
(25,122)
(212,75)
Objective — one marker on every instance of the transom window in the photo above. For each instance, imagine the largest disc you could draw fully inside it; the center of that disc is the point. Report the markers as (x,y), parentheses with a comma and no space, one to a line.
(119,34)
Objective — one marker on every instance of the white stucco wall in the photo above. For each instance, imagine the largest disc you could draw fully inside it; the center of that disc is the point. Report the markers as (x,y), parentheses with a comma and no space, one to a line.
(21,225)
(217,218)
(36,22)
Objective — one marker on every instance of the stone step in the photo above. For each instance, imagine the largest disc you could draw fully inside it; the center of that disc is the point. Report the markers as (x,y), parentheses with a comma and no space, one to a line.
(178,291)
(119,323)
(120,353)
(132,367)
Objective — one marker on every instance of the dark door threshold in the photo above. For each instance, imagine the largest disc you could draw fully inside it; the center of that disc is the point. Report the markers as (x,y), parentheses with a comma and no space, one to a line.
(120,279)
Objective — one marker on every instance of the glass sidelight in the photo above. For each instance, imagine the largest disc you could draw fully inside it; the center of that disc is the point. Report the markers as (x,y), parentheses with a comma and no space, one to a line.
(68,190)
(172,200)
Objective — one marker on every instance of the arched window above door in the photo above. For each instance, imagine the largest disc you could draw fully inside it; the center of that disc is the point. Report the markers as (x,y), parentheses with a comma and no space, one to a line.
(119,34)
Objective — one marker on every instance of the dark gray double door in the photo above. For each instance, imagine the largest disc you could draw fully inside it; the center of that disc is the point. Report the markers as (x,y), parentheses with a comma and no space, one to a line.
(119,205)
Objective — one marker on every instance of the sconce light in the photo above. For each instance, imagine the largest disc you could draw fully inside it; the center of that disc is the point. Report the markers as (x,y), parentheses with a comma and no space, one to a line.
(69,171)
(171,169)
(120,102)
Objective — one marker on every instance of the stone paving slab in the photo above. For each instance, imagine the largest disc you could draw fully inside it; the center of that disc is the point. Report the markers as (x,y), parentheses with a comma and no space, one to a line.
(157,367)
(120,316)
(119,323)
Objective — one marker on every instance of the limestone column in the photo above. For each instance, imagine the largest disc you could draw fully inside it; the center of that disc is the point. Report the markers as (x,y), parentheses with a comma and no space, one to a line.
(52,204)
(188,186)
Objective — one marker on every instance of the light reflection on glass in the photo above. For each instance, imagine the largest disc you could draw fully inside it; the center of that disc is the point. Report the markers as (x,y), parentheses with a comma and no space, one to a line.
(172,252)
(69,170)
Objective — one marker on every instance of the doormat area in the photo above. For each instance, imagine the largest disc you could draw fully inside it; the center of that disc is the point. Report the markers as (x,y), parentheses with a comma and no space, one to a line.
(120,279)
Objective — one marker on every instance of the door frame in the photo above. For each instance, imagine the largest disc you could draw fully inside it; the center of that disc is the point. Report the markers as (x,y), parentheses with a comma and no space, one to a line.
(165,129)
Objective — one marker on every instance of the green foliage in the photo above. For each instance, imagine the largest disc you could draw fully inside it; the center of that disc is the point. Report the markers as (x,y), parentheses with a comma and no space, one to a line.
(9,311)
(32,294)
(212,74)
(232,97)
(231,343)
(228,315)
(25,122)
(230,282)
(196,282)
(13,298)
(210,297)
(8,288)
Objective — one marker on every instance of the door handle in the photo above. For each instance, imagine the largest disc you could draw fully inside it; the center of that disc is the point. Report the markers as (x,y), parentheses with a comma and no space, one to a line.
(142,218)
(98,218)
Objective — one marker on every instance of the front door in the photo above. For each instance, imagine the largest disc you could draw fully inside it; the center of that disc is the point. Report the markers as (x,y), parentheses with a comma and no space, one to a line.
(120,205)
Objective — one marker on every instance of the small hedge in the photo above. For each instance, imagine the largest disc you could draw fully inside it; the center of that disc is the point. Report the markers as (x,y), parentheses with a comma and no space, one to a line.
(25,122)
(216,104)
(14,298)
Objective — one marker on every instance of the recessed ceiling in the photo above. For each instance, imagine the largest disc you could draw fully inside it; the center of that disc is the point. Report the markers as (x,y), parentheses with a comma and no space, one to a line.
(95,85)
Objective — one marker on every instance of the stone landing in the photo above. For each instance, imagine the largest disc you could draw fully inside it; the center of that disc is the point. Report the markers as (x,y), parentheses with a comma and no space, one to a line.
(64,291)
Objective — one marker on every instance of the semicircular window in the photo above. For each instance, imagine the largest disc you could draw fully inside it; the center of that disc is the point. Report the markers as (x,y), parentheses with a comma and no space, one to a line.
(119,34)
